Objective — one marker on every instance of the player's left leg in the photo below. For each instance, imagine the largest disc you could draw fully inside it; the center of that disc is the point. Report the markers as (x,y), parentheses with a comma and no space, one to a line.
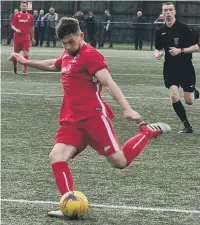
(26,47)
(103,139)
(17,47)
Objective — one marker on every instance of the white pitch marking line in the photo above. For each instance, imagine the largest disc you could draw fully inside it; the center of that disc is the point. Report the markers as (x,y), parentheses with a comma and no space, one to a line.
(110,206)
(51,95)
(117,74)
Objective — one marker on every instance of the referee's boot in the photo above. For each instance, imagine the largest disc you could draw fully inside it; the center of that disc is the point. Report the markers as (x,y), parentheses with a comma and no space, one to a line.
(196,93)
(186,130)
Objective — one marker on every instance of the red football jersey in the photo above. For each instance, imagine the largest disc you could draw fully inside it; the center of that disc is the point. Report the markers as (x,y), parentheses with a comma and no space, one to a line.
(23,22)
(82,91)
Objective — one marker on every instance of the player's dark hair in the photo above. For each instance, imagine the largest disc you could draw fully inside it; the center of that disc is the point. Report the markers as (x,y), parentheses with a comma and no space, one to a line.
(67,26)
(168,3)
(24,2)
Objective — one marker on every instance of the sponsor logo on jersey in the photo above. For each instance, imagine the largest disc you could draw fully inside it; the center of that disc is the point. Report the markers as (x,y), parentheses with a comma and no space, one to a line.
(107,148)
(66,70)
(23,21)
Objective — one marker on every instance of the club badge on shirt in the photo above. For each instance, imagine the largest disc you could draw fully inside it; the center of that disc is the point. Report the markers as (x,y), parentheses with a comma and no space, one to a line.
(176,42)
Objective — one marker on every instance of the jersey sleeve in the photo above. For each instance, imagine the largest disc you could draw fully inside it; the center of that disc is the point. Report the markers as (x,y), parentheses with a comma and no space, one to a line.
(94,62)
(58,63)
(158,41)
(190,36)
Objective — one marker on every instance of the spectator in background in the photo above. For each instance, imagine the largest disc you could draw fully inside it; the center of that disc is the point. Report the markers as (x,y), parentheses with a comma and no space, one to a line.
(91,28)
(139,29)
(80,17)
(39,29)
(35,17)
(11,31)
(107,29)
(52,19)
(160,21)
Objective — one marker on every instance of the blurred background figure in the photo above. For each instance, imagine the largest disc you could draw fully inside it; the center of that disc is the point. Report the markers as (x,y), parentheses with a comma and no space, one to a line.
(107,29)
(91,28)
(160,21)
(139,29)
(35,17)
(11,31)
(39,29)
(52,19)
(80,17)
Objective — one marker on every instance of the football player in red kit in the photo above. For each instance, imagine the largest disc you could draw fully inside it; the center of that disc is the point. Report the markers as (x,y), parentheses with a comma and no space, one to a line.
(23,25)
(85,119)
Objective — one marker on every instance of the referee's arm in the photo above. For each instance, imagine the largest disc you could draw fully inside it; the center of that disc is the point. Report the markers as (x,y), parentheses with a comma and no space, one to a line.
(159,51)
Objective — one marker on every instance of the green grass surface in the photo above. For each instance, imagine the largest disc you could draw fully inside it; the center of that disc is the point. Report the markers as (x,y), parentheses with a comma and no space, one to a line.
(166,175)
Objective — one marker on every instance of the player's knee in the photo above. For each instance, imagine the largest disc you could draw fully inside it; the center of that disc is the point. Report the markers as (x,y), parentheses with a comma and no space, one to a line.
(56,156)
(174,96)
(119,165)
(189,102)
(62,152)
(25,53)
(117,160)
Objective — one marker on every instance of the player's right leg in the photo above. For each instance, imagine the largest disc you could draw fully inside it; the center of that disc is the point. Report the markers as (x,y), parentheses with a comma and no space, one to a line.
(134,146)
(69,142)
(104,140)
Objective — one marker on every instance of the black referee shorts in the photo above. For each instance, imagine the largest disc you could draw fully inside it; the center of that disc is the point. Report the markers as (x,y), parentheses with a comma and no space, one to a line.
(180,74)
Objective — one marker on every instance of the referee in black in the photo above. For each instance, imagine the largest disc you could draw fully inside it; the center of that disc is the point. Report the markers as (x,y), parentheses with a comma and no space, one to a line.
(177,42)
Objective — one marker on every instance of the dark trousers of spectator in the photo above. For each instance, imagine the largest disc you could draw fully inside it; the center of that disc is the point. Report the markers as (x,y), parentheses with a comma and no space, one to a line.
(138,40)
(92,39)
(39,36)
(10,37)
(105,35)
(51,34)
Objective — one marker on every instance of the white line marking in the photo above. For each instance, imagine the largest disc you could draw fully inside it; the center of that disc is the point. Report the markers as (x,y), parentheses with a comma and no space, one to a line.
(6,71)
(124,207)
(52,95)
(113,74)
(117,74)
(33,53)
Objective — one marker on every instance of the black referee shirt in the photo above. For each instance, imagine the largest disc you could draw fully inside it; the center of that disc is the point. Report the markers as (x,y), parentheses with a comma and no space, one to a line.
(178,36)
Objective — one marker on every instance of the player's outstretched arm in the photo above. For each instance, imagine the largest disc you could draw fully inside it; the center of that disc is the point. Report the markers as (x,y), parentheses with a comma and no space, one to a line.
(106,80)
(45,65)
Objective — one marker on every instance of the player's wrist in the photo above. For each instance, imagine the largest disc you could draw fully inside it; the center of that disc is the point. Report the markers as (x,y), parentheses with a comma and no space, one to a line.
(182,50)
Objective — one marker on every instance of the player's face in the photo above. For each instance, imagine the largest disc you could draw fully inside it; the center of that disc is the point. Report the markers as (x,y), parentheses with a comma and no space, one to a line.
(24,7)
(72,43)
(169,12)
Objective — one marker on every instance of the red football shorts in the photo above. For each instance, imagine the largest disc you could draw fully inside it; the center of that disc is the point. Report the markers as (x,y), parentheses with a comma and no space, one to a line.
(21,45)
(98,132)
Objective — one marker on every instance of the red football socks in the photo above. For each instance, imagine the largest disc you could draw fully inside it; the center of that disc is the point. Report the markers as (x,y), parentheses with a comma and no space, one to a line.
(25,67)
(63,177)
(134,146)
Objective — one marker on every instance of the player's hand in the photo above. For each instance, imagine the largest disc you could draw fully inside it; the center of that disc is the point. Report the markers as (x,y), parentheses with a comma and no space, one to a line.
(132,115)
(17,57)
(18,31)
(174,51)
(159,54)
(33,41)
